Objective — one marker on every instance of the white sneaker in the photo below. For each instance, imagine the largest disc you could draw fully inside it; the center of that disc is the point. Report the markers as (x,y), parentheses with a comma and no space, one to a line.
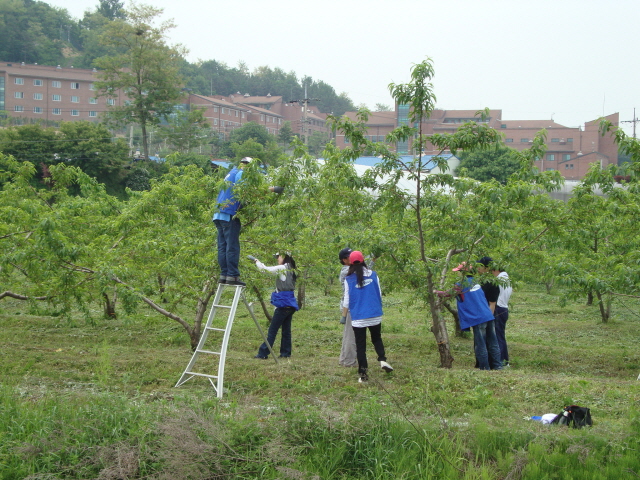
(364,378)
(386,367)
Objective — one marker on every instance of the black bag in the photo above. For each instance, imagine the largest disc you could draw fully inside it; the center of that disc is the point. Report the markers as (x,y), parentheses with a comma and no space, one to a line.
(574,416)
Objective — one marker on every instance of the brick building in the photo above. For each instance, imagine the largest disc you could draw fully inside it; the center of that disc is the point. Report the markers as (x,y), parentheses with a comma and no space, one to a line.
(38,92)
(570,150)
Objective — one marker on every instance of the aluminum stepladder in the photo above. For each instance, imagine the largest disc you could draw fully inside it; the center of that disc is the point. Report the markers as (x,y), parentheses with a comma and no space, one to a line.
(218,380)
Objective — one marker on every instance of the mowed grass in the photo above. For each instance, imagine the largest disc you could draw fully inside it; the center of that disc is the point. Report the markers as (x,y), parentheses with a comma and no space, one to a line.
(84,395)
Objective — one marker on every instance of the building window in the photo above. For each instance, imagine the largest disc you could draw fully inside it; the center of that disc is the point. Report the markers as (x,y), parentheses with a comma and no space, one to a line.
(551,157)
(37,109)
(37,82)
(346,140)
(236,112)
(93,114)
(91,87)
(75,99)
(504,125)
(215,121)
(555,140)
(18,94)
(75,113)
(262,118)
(569,166)
(56,84)
(37,96)
(111,101)
(56,98)
(566,156)
(18,108)
(18,81)
(508,140)
(570,140)
(93,100)
(524,140)
(75,86)
(56,111)
(215,109)
(242,114)
(279,121)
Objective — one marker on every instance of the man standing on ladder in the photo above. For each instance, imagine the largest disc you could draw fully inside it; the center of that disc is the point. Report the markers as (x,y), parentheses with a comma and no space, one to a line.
(228,226)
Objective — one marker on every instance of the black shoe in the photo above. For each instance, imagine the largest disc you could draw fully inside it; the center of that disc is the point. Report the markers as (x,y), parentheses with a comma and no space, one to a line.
(222,281)
(236,281)
(284,356)
(260,358)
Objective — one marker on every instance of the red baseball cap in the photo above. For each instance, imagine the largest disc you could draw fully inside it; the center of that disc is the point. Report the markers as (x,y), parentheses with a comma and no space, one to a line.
(356,256)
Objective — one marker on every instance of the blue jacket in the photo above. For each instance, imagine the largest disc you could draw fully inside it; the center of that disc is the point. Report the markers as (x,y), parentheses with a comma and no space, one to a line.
(473,308)
(226,201)
(365,301)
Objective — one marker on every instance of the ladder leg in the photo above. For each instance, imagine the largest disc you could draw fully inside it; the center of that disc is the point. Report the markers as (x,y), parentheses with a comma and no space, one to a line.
(203,338)
(255,320)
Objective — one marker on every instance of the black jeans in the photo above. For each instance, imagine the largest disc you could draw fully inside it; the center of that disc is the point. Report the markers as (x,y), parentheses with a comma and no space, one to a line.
(361,345)
(281,318)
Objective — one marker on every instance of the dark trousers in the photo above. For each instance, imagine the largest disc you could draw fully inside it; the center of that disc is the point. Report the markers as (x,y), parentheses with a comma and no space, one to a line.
(228,247)
(486,347)
(361,345)
(281,318)
(501,316)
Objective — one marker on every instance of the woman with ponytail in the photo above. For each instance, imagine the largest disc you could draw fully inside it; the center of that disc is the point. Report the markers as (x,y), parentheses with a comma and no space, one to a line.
(283,298)
(363,300)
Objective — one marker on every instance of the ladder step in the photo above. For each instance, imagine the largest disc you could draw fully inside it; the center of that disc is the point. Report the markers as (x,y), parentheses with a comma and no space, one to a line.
(216,329)
(222,306)
(201,374)
(207,351)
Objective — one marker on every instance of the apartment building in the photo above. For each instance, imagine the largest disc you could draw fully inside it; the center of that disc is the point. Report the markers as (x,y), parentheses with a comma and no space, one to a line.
(39,92)
(570,150)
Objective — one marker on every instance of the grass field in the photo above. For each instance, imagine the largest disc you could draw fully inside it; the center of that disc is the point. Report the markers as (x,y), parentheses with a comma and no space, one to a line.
(94,398)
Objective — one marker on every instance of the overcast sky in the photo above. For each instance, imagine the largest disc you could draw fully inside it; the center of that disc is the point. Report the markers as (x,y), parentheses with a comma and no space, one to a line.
(570,60)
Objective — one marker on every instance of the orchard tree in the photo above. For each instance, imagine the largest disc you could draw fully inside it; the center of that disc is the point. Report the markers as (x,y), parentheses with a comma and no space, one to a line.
(146,76)
(285,134)
(186,131)
(497,163)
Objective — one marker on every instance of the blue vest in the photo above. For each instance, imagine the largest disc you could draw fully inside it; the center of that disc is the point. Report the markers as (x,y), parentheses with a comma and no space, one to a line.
(473,308)
(284,299)
(365,301)
(226,201)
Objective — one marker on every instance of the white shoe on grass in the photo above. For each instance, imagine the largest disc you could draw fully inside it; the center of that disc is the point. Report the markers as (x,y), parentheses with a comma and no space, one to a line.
(386,367)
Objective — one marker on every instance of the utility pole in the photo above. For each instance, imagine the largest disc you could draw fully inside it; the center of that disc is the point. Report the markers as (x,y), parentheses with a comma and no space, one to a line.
(634,121)
(304,102)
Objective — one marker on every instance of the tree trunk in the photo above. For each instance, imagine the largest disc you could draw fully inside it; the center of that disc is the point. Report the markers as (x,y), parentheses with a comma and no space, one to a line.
(456,318)
(605,307)
(548,285)
(161,288)
(145,141)
(201,310)
(439,327)
(110,305)
(265,310)
(590,298)
(302,292)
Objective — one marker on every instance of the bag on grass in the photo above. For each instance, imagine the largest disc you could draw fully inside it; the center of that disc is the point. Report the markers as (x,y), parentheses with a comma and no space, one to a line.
(574,416)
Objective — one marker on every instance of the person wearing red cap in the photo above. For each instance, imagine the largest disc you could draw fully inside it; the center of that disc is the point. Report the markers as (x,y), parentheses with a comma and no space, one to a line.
(363,300)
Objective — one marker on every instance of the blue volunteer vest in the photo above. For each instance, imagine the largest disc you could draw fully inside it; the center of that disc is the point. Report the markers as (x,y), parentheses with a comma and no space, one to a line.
(473,309)
(226,201)
(365,301)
